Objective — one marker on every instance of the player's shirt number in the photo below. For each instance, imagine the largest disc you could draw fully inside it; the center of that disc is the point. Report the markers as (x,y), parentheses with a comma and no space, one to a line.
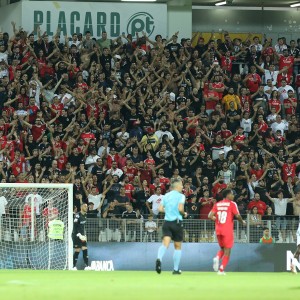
(222,216)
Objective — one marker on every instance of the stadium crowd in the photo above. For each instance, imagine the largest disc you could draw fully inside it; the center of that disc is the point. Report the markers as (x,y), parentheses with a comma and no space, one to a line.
(120,118)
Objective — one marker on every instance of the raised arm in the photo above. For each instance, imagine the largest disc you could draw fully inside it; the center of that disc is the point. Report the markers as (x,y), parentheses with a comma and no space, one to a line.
(269,197)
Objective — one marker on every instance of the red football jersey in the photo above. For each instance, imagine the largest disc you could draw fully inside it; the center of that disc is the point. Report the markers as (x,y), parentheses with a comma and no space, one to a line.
(205,209)
(253,83)
(275,103)
(288,106)
(288,170)
(129,189)
(286,62)
(37,131)
(226,62)
(211,104)
(225,211)
(130,172)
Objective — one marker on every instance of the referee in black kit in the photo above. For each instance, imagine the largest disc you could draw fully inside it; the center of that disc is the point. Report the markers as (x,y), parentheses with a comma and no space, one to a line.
(173,207)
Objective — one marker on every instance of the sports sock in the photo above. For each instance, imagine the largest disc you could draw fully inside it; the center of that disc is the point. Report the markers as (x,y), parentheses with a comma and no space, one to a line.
(75,258)
(85,257)
(225,261)
(161,252)
(176,259)
(220,254)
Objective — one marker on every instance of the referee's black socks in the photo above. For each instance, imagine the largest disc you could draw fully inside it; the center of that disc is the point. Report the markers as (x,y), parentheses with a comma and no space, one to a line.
(85,257)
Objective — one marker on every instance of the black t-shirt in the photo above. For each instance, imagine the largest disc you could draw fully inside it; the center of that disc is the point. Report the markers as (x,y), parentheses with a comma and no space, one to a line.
(92,213)
(173,47)
(98,171)
(193,210)
(65,120)
(32,145)
(113,192)
(129,215)
(75,160)
(113,213)
(232,123)
(79,224)
(47,161)
(105,59)
(210,173)
(33,161)
(122,199)
(115,123)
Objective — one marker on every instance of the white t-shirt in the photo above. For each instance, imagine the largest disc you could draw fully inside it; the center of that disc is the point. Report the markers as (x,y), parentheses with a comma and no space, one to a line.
(279,48)
(226,150)
(271,118)
(271,89)
(271,75)
(3,72)
(3,203)
(91,159)
(96,199)
(284,92)
(282,126)
(258,47)
(3,56)
(246,125)
(149,225)
(124,136)
(101,150)
(117,172)
(160,134)
(155,200)
(227,175)
(66,100)
(38,200)
(280,206)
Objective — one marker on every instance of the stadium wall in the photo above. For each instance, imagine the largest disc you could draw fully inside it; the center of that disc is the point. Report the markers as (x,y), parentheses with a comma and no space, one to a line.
(195,257)
(9,13)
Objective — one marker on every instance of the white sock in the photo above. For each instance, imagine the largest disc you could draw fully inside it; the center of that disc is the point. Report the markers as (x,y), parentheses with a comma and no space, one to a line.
(294,261)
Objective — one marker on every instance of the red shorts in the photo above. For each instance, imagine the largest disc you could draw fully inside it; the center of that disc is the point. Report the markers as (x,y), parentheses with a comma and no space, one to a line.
(225,241)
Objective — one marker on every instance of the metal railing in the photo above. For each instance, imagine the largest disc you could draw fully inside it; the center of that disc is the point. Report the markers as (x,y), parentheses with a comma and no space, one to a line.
(282,230)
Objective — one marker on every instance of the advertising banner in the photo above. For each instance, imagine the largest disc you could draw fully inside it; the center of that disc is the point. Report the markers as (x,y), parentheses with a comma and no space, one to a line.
(196,257)
(96,17)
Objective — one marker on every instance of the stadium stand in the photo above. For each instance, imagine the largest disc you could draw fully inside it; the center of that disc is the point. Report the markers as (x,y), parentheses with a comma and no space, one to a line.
(120,118)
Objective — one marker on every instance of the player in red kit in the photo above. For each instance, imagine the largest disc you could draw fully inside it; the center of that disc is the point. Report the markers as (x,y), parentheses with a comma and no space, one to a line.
(223,213)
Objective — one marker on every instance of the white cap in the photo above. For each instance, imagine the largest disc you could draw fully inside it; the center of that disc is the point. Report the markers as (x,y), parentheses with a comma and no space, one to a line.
(221,152)
(117,56)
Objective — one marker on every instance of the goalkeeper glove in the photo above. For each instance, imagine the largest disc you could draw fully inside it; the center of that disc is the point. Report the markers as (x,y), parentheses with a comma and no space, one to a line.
(81,237)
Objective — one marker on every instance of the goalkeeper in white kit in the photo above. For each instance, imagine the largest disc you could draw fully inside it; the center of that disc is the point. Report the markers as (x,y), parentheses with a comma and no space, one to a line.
(79,236)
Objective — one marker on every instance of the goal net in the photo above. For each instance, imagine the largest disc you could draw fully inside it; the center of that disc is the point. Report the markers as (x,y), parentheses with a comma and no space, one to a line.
(26,239)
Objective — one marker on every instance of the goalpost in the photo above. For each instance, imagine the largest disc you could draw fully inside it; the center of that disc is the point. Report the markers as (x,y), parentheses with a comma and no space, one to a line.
(24,231)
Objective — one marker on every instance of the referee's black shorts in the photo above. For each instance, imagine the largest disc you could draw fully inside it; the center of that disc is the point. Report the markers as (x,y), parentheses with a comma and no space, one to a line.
(173,229)
(78,243)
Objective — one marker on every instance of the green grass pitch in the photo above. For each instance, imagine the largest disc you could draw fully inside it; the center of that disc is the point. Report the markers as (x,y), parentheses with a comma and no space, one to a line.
(55,285)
